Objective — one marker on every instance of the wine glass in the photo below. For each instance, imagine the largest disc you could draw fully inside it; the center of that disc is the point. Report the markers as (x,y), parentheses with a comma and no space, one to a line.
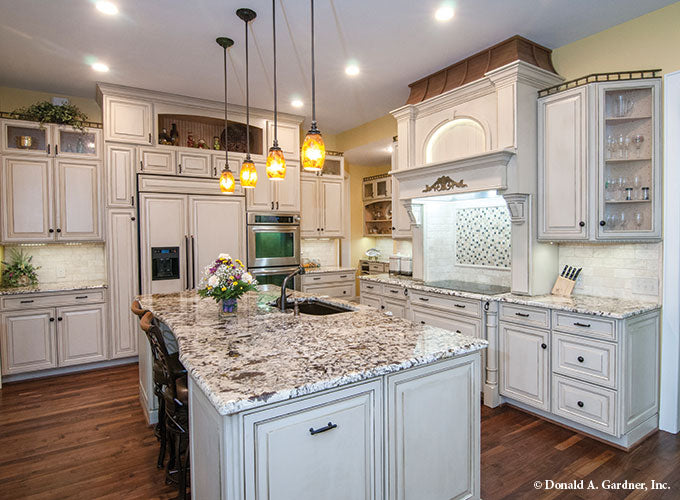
(638,139)
(626,145)
(611,146)
(639,219)
(636,185)
(621,219)
(621,184)
(621,141)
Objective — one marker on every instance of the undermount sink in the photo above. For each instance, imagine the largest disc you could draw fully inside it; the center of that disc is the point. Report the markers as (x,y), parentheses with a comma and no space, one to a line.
(316,307)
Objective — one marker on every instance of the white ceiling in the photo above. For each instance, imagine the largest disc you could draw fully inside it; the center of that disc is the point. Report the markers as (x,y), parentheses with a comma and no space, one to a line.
(169,45)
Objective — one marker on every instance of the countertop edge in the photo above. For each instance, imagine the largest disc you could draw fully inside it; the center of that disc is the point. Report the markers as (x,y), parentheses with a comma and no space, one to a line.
(29,290)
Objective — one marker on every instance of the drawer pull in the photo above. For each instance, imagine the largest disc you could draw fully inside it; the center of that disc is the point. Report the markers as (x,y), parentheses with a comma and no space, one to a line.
(424,299)
(328,427)
(580,404)
(81,296)
(459,305)
(422,322)
(544,346)
(522,315)
(394,291)
(382,307)
(343,276)
(369,287)
(316,279)
(26,301)
(581,324)
(458,331)
(580,359)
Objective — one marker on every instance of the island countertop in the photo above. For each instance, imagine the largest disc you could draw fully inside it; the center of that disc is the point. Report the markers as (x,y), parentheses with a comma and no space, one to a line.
(261,356)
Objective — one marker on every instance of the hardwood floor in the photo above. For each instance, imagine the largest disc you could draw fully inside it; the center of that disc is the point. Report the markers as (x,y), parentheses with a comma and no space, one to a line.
(84,436)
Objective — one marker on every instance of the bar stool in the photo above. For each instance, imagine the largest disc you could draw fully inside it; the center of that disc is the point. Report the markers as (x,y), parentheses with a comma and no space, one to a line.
(175,398)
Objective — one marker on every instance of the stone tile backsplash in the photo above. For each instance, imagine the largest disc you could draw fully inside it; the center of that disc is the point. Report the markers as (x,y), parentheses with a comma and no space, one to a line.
(325,251)
(66,263)
(628,271)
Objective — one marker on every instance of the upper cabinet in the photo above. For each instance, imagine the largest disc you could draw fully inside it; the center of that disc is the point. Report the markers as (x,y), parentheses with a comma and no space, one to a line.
(275,196)
(27,138)
(127,120)
(322,202)
(598,159)
(288,137)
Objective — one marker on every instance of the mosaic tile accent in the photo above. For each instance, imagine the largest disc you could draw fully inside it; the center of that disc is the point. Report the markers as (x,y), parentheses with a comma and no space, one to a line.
(483,237)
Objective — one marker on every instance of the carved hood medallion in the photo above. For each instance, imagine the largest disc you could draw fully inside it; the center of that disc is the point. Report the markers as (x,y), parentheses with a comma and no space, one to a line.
(444,183)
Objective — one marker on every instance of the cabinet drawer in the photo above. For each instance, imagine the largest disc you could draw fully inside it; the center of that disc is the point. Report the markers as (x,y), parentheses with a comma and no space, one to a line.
(453,322)
(458,305)
(585,403)
(332,290)
(156,161)
(532,316)
(318,278)
(371,287)
(51,300)
(394,292)
(585,359)
(377,267)
(591,326)
(368,299)
(195,164)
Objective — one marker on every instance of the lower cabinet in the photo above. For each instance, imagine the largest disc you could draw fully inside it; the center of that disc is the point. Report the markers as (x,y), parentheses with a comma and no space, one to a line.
(81,334)
(29,341)
(332,284)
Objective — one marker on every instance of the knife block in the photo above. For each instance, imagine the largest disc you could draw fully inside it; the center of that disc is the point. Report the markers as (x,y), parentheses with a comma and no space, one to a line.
(563,287)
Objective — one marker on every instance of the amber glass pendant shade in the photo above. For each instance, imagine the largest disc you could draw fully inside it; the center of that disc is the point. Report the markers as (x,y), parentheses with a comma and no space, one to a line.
(276,164)
(248,174)
(227,182)
(313,151)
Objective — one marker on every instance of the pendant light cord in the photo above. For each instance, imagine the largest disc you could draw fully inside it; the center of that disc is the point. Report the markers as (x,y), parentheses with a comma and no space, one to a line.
(276,128)
(247,99)
(313,78)
(226,126)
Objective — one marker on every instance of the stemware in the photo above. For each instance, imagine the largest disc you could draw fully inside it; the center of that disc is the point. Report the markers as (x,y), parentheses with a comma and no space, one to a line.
(621,145)
(626,145)
(639,219)
(638,139)
(621,219)
(611,146)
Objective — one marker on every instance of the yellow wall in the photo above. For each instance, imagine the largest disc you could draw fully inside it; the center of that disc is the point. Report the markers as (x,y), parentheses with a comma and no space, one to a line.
(11,98)
(647,42)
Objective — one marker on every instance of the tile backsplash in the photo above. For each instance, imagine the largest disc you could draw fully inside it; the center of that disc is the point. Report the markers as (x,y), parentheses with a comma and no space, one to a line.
(483,236)
(631,271)
(67,263)
(325,251)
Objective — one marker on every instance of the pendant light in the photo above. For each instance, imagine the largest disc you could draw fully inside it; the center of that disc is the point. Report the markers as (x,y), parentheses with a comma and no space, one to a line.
(248,173)
(227,183)
(313,148)
(276,163)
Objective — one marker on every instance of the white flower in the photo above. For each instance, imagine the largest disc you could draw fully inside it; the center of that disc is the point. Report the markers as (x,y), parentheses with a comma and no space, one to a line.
(213,281)
(225,256)
(247,277)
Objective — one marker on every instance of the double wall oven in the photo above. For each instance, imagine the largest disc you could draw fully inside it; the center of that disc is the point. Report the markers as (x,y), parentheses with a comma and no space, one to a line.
(273,247)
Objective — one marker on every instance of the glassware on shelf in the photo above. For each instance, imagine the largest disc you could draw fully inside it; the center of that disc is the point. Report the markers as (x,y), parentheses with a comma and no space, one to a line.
(639,219)
(629,193)
(621,220)
(623,105)
(621,145)
(645,193)
(637,195)
(638,139)
(626,145)
(611,146)
(621,185)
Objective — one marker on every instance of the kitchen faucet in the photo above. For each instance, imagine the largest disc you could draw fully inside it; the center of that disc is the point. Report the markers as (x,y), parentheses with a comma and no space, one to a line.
(299,270)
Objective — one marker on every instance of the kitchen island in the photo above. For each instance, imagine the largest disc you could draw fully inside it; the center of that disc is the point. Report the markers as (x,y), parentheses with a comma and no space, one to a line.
(356,405)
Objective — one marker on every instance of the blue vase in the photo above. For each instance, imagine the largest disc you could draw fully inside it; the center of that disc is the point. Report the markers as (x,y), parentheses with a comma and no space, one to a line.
(229,306)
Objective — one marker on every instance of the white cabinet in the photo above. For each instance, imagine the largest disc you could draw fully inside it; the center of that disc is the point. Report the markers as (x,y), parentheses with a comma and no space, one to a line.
(78,200)
(275,196)
(401,222)
(28,341)
(28,138)
(81,332)
(194,164)
(319,448)
(121,258)
(334,284)
(524,365)
(120,175)
(127,120)
(434,412)
(321,207)
(47,200)
(563,165)
(288,137)
(156,161)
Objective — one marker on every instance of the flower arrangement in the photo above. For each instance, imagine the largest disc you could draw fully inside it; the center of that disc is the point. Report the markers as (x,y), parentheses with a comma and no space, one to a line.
(20,271)
(226,280)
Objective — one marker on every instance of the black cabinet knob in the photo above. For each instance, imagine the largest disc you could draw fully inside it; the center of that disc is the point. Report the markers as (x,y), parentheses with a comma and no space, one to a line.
(582,224)
(544,346)
(580,359)
(51,319)
(58,230)
(602,223)
(51,230)
(422,322)
(580,404)
(59,318)
(133,218)
(382,307)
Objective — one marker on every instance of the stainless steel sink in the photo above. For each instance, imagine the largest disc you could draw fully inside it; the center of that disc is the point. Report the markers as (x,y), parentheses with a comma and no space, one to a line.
(315,307)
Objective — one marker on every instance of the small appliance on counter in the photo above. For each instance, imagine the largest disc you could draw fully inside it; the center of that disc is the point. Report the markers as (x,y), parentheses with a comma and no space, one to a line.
(395,264)
(406,266)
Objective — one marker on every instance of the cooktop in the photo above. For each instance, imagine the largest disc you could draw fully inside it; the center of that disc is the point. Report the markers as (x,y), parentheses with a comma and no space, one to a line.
(464,286)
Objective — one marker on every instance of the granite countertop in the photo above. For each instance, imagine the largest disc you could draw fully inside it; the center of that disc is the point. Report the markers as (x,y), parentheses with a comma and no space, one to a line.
(585,304)
(260,355)
(330,269)
(54,287)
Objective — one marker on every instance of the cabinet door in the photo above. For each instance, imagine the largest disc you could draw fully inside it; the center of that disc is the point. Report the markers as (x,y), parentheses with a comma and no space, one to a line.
(331,208)
(78,200)
(70,142)
(216,225)
(289,139)
(28,341)
(309,207)
(127,120)
(563,166)
(121,253)
(156,161)
(194,164)
(288,190)
(433,431)
(27,199)
(524,357)
(120,175)
(372,300)
(401,222)
(261,198)
(317,448)
(396,307)
(333,166)
(25,138)
(81,333)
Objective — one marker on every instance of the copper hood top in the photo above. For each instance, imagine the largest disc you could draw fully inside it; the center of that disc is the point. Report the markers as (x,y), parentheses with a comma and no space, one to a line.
(474,67)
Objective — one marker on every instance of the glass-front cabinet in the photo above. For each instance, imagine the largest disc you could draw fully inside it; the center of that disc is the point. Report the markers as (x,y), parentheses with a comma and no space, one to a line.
(32,138)
(629,173)
(377,187)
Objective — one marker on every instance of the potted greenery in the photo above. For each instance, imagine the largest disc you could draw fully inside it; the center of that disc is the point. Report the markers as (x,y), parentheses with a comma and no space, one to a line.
(46,112)
(20,271)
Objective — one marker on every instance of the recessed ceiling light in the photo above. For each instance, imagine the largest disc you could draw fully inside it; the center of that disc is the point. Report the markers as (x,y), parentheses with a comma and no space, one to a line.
(296,103)
(101,67)
(352,69)
(444,13)
(107,8)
